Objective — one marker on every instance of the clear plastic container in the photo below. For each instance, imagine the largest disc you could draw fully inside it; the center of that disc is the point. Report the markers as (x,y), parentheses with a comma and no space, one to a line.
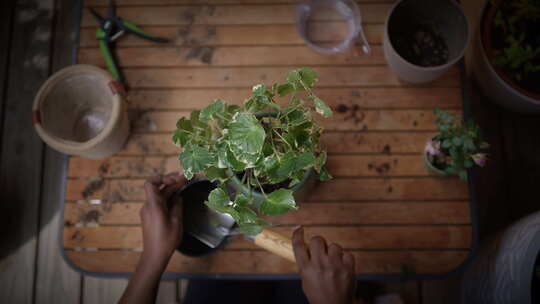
(331,26)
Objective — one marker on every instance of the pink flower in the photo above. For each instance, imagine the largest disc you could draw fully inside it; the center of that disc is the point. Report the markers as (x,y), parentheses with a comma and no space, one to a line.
(433,147)
(480,159)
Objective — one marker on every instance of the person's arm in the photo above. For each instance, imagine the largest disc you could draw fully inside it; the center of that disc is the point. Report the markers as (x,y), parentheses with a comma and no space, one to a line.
(162,233)
(328,273)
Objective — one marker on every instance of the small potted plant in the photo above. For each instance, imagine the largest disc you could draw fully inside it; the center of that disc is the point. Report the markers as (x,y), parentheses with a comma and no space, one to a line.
(456,147)
(264,151)
(507,53)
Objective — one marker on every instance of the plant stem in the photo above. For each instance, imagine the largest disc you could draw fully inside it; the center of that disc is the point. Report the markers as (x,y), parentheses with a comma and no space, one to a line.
(283,139)
(260,187)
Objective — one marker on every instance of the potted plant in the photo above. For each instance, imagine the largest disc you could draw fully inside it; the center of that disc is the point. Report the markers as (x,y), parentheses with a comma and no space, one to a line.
(507,53)
(423,38)
(456,147)
(264,151)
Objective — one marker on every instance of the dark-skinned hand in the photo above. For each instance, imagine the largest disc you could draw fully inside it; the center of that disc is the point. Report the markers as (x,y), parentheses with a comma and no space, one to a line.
(328,273)
(162,233)
(162,225)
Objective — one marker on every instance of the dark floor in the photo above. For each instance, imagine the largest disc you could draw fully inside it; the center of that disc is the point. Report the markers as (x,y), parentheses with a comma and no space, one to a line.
(36,39)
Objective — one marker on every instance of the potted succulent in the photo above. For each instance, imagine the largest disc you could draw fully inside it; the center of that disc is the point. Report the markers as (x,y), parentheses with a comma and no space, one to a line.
(507,53)
(264,151)
(456,147)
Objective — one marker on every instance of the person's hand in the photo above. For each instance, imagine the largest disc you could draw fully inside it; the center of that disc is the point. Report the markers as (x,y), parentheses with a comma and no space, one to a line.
(328,273)
(162,226)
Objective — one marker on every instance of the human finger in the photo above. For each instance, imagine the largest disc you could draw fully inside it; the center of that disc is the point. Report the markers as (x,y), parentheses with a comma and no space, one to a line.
(152,188)
(317,249)
(349,261)
(335,254)
(174,178)
(299,247)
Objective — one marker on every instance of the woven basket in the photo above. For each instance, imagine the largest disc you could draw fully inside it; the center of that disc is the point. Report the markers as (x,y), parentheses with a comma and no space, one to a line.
(80,111)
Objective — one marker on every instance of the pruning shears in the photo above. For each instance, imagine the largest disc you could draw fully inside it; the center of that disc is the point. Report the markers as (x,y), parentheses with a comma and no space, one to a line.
(112,28)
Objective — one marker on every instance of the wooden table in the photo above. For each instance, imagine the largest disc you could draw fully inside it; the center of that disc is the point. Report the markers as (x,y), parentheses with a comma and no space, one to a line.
(382,205)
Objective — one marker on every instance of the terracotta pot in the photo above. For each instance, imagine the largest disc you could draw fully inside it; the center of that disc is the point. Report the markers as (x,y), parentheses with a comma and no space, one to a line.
(449,19)
(80,111)
(493,81)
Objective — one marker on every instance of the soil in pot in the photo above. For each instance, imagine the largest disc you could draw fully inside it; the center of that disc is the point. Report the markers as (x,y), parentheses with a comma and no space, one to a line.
(420,44)
(268,188)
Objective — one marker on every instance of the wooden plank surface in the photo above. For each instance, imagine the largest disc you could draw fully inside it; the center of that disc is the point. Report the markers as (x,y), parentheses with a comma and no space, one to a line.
(339,189)
(334,76)
(340,99)
(231,35)
(21,150)
(335,143)
(383,204)
(228,14)
(312,213)
(358,237)
(246,262)
(341,166)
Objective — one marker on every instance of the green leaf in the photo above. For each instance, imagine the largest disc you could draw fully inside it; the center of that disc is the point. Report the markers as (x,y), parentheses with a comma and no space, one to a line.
(214,173)
(232,109)
(304,160)
(184,124)
(195,159)
(284,89)
(296,117)
(321,107)
(242,200)
(447,143)
(463,175)
(248,221)
(294,182)
(181,138)
(234,163)
(220,201)
(457,141)
(287,165)
(278,202)
(308,76)
(294,76)
(259,89)
(208,113)
(246,135)
(292,162)
(324,175)
(320,162)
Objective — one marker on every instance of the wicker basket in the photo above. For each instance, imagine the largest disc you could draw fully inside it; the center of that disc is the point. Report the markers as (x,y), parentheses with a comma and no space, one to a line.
(80,111)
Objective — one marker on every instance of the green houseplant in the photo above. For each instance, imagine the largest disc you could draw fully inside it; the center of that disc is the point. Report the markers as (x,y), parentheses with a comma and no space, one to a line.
(262,149)
(514,41)
(456,147)
(506,57)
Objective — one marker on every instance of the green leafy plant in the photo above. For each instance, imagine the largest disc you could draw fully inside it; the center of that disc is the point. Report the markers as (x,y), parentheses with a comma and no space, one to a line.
(457,146)
(269,147)
(516,24)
